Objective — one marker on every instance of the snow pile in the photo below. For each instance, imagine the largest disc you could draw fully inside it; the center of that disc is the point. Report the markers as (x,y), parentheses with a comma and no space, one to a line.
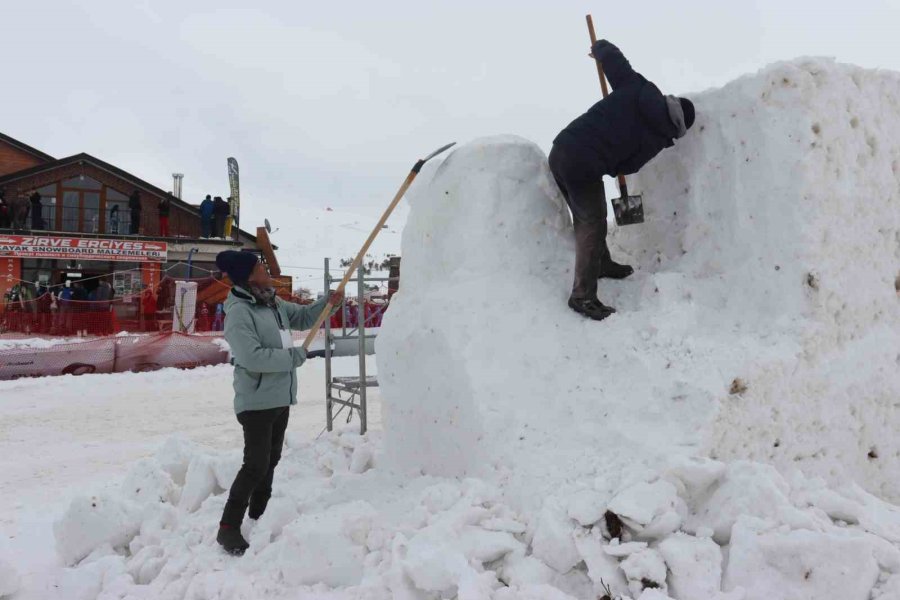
(762,322)
(339,528)
(723,437)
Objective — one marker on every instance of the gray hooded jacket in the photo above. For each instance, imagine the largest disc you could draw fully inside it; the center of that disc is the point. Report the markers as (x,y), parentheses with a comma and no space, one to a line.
(265,372)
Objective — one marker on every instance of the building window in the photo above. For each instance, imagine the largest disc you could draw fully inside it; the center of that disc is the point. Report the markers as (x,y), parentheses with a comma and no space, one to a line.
(82,183)
(48,205)
(118,215)
(91,206)
(70,210)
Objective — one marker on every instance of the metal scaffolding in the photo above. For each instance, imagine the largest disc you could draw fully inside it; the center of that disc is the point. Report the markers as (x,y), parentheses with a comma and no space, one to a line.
(348,391)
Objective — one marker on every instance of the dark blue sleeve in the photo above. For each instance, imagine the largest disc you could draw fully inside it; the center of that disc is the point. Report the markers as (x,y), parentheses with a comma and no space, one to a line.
(617,68)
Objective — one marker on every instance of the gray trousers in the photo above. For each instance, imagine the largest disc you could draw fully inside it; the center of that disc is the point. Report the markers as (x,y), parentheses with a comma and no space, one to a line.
(581,184)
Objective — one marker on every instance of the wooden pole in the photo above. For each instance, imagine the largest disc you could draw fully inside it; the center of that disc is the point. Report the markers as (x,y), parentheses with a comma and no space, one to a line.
(378,227)
(603,88)
(359,257)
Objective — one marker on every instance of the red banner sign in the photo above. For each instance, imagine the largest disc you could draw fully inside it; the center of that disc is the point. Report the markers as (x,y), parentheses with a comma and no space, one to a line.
(29,246)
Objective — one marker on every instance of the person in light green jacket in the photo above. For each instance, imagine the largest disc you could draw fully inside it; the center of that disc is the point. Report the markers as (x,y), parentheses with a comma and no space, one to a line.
(258,328)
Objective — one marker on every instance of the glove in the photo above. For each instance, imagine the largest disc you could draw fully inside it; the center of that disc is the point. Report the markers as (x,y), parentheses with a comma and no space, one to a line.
(299,355)
(598,47)
(315,354)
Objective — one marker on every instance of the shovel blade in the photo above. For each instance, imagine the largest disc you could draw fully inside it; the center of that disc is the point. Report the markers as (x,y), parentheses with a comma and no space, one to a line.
(629,210)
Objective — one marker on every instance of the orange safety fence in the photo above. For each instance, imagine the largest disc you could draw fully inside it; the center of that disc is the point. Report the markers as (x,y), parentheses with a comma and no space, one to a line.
(114,354)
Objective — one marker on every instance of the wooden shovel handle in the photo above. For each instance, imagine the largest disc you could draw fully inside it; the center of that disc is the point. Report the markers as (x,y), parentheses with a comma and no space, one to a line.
(326,312)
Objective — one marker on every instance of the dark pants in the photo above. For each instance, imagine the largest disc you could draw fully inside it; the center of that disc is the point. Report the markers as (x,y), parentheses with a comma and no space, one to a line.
(263,439)
(220,226)
(205,226)
(135,222)
(581,182)
(164,226)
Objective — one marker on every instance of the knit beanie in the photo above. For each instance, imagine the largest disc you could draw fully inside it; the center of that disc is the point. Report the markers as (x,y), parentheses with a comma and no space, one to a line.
(237,265)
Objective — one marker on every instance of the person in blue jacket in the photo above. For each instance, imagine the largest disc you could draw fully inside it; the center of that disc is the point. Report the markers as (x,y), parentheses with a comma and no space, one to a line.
(618,134)
(206,215)
(258,328)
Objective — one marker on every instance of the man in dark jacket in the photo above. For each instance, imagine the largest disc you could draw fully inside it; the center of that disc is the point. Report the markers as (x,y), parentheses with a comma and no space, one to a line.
(37,211)
(165,205)
(134,204)
(206,216)
(4,211)
(18,211)
(619,134)
(220,211)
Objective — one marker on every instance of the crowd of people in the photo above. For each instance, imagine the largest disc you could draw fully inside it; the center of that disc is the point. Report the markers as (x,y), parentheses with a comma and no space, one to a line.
(214,213)
(22,213)
(15,212)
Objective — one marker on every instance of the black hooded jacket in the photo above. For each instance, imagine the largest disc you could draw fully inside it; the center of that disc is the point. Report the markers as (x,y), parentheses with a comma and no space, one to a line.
(629,127)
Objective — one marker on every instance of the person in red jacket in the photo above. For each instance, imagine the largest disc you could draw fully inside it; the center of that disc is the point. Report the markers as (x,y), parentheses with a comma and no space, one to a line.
(203,323)
(148,307)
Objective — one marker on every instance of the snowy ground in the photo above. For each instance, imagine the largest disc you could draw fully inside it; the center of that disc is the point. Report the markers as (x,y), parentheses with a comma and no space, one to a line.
(69,435)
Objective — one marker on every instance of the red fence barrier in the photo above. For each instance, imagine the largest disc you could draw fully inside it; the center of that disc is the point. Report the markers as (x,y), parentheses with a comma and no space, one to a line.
(147,311)
(114,354)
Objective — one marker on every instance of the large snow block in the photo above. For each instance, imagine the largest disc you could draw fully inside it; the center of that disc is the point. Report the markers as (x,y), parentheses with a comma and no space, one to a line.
(763,321)
(783,207)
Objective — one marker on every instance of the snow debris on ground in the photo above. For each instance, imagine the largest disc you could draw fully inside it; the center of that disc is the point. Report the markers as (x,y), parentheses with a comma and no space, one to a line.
(729,434)
(9,580)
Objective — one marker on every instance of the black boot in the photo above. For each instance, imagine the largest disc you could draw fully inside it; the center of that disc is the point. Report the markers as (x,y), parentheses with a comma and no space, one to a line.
(610,269)
(591,308)
(231,540)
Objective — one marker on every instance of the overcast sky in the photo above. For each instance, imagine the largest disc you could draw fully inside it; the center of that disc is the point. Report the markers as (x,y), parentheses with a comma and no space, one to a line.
(329,103)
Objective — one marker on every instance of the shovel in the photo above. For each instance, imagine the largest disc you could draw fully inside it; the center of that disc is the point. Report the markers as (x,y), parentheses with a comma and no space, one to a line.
(629,210)
(378,227)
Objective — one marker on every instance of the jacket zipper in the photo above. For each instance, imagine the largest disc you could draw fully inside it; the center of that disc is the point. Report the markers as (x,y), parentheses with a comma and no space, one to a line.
(293,371)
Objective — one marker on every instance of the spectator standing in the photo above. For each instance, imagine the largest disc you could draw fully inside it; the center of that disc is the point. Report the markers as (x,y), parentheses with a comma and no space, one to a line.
(165,205)
(149,308)
(220,211)
(37,211)
(134,204)
(206,216)
(114,219)
(4,211)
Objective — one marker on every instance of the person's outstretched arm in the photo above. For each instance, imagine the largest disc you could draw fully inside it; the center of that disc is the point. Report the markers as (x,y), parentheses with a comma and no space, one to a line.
(616,67)
(248,351)
(303,317)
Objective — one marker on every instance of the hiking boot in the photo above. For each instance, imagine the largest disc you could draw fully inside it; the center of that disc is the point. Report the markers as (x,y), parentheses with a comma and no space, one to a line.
(231,540)
(610,269)
(591,308)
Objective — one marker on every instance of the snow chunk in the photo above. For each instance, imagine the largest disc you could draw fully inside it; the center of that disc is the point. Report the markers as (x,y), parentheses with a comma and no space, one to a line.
(147,482)
(199,483)
(603,569)
(749,489)
(695,566)
(175,455)
(89,523)
(587,507)
(327,547)
(802,563)
(644,569)
(653,509)
(553,540)
(9,579)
